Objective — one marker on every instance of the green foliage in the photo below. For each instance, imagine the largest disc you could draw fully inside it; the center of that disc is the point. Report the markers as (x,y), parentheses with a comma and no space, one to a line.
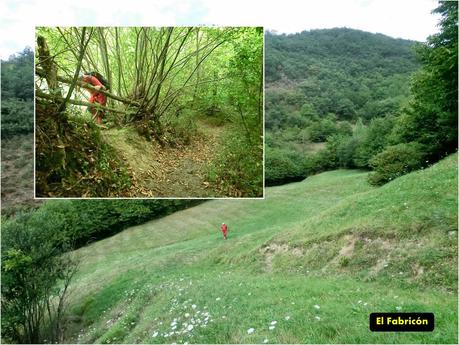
(283,166)
(35,276)
(16,76)
(80,222)
(321,130)
(17,94)
(181,129)
(373,140)
(238,167)
(362,74)
(432,116)
(319,83)
(73,159)
(396,161)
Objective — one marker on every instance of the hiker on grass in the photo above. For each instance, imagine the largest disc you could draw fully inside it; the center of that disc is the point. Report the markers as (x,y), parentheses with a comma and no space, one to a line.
(224,230)
(96,80)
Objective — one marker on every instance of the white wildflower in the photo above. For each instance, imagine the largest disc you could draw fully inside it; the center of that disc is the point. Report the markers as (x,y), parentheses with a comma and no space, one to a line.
(193,306)
(189,328)
(316,306)
(273,322)
(287,318)
(271,327)
(317,318)
(218,299)
(250,330)
(265,341)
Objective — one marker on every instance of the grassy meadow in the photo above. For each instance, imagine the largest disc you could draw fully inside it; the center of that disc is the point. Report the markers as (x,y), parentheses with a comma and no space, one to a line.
(306,265)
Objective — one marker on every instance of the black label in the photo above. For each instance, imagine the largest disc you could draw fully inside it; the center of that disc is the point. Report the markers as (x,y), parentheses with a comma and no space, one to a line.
(402,322)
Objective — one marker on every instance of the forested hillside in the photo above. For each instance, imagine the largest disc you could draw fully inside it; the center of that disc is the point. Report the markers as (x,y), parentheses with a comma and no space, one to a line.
(321,83)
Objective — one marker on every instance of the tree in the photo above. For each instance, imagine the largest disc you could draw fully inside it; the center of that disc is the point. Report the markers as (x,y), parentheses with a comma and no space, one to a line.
(432,117)
(17,94)
(35,280)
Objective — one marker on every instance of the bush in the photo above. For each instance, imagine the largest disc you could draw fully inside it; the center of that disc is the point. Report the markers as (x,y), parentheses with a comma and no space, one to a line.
(72,159)
(35,277)
(373,140)
(238,167)
(180,129)
(17,117)
(283,166)
(396,161)
(321,130)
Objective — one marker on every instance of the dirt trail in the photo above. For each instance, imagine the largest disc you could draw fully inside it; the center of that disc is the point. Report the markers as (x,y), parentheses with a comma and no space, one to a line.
(169,171)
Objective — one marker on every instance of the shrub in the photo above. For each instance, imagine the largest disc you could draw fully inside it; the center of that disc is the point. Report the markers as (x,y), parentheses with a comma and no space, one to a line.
(238,167)
(35,277)
(180,129)
(321,130)
(72,159)
(282,166)
(373,140)
(396,161)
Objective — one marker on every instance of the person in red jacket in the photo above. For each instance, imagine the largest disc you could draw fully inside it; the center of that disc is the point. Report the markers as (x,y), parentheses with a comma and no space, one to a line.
(95,97)
(224,230)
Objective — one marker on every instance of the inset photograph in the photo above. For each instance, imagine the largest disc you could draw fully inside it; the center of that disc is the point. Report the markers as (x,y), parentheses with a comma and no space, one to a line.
(149,112)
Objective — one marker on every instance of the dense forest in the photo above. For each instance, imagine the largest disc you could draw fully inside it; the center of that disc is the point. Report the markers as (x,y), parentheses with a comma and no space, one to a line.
(180,112)
(351,99)
(322,85)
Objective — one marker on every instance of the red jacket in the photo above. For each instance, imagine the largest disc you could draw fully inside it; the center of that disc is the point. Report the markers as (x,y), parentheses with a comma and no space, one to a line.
(224,228)
(95,96)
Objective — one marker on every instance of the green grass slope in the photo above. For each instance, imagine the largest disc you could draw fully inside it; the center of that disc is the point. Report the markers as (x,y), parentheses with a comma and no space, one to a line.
(306,265)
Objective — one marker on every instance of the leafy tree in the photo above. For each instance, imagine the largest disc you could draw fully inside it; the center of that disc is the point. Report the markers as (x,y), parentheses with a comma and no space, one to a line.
(17,94)
(35,278)
(373,140)
(396,161)
(432,117)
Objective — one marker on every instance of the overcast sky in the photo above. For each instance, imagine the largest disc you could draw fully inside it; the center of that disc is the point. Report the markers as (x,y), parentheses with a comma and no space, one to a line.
(410,19)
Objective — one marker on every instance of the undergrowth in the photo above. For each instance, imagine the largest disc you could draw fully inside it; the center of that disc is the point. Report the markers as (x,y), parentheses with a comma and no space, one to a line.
(72,160)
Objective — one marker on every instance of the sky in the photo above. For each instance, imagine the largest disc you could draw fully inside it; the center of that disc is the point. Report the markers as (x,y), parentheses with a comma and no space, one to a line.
(409,19)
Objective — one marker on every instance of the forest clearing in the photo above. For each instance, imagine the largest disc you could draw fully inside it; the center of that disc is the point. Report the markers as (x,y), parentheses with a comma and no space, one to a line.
(189,98)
